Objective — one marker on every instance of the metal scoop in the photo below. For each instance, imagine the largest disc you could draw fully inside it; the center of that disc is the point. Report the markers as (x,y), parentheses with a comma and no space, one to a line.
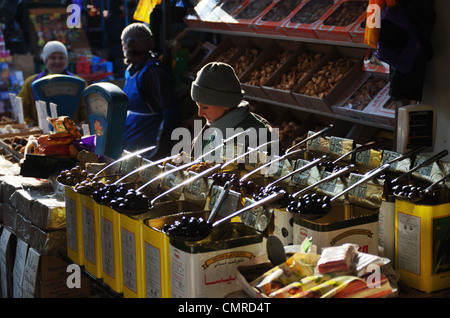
(425,193)
(333,176)
(427,162)
(133,154)
(151,164)
(200,175)
(207,227)
(289,152)
(369,145)
(320,132)
(367,177)
(299,170)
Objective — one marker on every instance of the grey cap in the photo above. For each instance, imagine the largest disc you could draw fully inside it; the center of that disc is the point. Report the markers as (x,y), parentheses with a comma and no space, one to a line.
(217,85)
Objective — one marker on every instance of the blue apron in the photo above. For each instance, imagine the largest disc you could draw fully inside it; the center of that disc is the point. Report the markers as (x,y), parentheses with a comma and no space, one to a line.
(144,125)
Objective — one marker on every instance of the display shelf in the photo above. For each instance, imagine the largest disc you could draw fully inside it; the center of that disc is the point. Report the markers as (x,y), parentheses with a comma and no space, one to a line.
(279,37)
(278,32)
(330,115)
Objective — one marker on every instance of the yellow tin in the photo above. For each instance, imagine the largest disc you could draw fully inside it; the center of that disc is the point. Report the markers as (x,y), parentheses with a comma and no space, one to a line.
(74,221)
(131,243)
(422,238)
(92,236)
(157,248)
(346,223)
(111,248)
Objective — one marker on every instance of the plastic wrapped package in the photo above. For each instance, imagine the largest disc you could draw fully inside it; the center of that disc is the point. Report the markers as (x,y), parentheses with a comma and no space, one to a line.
(294,269)
(299,287)
(48,242)
(340,259)
(9,184)
(42,207)
(49,213)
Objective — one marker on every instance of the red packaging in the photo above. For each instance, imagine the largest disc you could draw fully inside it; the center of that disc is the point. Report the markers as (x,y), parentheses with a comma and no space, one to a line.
(302,21)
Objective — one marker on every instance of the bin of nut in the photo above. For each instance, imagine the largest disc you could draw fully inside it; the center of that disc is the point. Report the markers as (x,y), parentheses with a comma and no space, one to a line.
(269,61)
(303,19)
(366,93)
(322,87)
(278,87)
(227,51)
(248,55)
(337,23)
(249,13)
(273,18)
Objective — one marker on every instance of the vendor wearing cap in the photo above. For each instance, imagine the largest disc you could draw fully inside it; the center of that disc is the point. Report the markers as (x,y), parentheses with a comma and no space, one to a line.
(55,57)
(219,98)
(154,110)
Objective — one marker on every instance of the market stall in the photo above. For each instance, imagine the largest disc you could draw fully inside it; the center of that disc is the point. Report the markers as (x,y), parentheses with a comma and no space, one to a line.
(336,214)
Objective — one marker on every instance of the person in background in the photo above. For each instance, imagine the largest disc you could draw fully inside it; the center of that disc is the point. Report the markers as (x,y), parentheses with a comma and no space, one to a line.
(219,98)
(154,110)
(55,57)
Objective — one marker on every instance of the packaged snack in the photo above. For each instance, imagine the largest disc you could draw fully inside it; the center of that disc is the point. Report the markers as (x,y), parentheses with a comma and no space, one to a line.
(298,287)
(328,288)
(337,259)
(294,269)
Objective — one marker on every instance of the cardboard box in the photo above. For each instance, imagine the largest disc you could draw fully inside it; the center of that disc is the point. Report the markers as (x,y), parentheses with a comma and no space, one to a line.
(270,53)
(274,16)
(327,29)
(250,11)
(324,104)
(302,21)
(282,95)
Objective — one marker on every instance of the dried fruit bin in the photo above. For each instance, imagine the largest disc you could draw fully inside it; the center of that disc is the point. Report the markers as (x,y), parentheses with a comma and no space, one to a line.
(250,12)
(248,54)
(272,19)
(304,18)
(220,17)
(336,24)
(269,61)
(358,96)
(227,52)
(343,65)
(290,71)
